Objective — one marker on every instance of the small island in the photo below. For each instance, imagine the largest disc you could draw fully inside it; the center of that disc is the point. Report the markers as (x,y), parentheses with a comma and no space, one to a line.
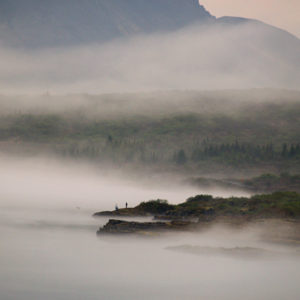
(201,211)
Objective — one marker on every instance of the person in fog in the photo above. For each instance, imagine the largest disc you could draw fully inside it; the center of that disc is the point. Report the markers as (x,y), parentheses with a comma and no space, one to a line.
(126,205)
(116,207)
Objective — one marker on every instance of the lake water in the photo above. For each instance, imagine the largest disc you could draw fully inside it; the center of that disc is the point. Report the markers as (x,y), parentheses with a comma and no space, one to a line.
(49,248)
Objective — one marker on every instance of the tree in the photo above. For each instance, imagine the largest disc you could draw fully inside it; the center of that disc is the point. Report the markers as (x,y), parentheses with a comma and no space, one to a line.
(284,150)
(181,158)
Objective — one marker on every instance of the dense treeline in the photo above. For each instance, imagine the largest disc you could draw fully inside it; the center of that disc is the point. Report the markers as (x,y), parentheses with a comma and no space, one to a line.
(248,152)
(130,151)
(145,141)
(178,140)
(177,132)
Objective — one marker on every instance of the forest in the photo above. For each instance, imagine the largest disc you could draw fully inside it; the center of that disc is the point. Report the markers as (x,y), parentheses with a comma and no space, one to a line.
(187,131)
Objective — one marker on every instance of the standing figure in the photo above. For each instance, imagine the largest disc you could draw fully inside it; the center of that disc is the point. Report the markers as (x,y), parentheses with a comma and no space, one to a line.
(126,204)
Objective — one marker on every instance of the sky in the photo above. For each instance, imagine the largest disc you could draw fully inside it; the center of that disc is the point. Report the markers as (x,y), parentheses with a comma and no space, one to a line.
(284,14)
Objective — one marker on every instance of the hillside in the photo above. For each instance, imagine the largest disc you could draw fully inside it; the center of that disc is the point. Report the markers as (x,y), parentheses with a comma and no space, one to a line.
(193,131)
(61,22)
(91,47)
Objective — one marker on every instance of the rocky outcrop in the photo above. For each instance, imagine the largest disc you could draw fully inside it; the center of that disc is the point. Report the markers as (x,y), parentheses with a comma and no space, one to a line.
(126,227)
(202,211)
(150,208)
(124,212)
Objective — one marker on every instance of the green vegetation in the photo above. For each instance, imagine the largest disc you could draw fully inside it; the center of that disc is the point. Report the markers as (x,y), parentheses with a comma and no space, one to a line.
(180,130)
(279,204)
(271,182)
(205,207)
(265,183)
(155,207)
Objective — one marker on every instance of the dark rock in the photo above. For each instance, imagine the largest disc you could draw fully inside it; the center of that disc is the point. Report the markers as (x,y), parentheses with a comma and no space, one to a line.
(175,218)
(126,227)
(125,212)
(149,208)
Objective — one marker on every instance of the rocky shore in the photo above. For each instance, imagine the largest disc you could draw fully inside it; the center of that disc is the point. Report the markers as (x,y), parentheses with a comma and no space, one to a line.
(203,210)
(128,227)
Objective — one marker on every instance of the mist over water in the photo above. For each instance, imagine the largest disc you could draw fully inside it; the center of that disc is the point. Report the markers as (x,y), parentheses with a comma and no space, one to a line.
(57,183)
(48,244)
(249,55)
(49,247)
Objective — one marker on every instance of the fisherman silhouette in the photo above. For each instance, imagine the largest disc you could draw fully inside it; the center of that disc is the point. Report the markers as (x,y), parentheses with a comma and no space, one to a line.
(126,204)
(117,208)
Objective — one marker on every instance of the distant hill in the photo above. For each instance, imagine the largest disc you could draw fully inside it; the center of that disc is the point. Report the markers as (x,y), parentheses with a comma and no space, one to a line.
(227,52)
(61,22)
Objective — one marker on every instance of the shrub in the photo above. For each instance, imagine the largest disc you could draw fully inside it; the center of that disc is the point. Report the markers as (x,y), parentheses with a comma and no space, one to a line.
(155,206)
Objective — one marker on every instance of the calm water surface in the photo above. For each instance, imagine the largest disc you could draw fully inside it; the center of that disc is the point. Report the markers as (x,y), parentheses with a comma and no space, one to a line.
(49,248)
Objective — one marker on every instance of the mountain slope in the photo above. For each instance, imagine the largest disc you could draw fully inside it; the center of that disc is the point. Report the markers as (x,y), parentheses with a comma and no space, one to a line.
(268,49)
(190,49)
(64,22)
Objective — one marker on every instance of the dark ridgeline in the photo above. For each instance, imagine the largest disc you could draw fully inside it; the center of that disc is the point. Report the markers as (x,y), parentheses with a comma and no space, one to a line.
(60,22)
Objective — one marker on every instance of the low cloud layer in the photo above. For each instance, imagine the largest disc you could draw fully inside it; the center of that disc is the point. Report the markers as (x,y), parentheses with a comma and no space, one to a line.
(243,56)
(44,183)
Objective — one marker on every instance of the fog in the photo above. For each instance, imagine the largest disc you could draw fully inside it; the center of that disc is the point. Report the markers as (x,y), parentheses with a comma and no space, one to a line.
(53,183)
(249,55)
(147,104)
(73,264)
(49,247)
